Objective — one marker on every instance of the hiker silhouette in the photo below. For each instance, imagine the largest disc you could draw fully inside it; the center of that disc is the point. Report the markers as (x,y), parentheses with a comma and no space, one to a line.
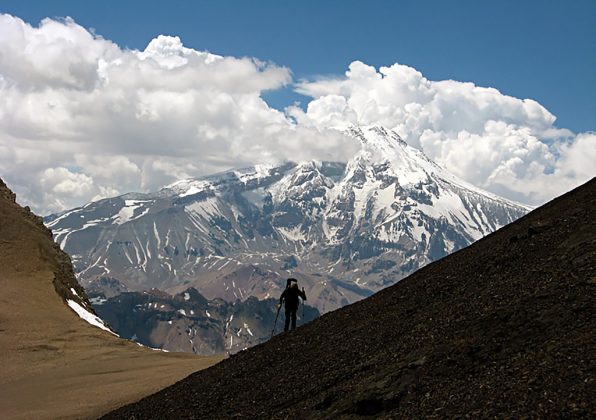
(290,298)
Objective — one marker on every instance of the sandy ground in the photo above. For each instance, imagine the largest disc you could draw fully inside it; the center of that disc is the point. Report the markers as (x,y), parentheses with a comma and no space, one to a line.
(52,363)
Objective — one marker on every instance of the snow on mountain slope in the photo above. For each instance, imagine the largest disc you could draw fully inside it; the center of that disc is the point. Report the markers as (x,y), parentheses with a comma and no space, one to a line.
(346,230)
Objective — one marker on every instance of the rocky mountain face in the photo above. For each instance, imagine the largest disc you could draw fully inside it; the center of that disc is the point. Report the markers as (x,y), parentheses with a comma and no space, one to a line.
(346,230)
(64,281)
(188,322)
(501,329)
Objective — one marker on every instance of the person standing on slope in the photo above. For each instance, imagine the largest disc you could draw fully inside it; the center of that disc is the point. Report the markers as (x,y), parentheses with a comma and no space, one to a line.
(290,298)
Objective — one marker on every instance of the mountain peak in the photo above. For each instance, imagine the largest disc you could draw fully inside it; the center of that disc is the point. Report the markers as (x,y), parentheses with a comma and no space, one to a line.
(373,134)
(349,229)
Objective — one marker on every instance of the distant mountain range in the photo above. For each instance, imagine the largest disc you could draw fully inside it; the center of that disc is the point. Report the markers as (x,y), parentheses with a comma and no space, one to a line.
(188,322)
(345,230)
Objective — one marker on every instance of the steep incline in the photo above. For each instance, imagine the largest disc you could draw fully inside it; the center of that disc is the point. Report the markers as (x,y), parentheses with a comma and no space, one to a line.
(503,328)
(54,364)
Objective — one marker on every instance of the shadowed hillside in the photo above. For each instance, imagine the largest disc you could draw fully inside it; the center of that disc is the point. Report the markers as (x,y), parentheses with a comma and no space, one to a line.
(504,327)
(53,363)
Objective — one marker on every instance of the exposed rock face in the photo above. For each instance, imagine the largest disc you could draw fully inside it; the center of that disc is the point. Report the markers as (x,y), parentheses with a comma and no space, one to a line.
(345,230)
(503,328)
(64,281)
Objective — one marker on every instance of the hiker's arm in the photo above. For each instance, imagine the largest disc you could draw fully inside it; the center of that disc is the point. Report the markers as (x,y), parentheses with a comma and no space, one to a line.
(281,298)
(303,294)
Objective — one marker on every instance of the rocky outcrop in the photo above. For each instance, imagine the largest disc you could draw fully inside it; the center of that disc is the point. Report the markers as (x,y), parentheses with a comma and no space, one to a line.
(64,278)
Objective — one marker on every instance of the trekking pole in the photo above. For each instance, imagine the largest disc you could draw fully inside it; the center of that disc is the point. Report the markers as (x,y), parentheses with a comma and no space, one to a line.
(303,305)
(275,323)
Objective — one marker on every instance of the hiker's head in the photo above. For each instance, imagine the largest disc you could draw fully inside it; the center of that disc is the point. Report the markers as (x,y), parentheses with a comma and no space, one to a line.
(292,283)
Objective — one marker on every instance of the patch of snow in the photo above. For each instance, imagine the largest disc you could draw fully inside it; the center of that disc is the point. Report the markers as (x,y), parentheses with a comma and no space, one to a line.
(93,223)
(204,209)
(186,187)
(192,190)
(88,316)
(58,236)
(152,348)
(258,172)
(126,213)
(98,300)
(156,235)
(59,218)
(295,234)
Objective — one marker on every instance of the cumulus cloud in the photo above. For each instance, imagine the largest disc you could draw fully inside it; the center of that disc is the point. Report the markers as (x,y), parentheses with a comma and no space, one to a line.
(504,144)
(82,118)
(58,182)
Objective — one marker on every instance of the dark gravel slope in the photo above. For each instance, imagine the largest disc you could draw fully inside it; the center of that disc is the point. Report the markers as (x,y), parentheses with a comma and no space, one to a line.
(503,328)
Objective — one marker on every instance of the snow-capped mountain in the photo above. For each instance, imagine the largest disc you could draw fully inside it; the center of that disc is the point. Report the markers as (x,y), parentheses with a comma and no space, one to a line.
(345,230)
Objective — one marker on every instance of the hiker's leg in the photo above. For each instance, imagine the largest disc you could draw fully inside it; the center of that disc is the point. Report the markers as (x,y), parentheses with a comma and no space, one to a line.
(287,324)
(294,319)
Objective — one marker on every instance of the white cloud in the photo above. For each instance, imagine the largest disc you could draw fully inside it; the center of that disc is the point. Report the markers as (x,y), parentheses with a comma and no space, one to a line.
(571,165)
(504,144)
(55,184)
(63,181)
(124,120)
(82,118)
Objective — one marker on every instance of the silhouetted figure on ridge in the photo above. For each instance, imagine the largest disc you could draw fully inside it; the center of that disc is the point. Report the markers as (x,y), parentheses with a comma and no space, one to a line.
(290,297)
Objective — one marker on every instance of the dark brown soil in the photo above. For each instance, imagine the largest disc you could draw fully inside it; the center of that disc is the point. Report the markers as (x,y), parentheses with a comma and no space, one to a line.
(504,328)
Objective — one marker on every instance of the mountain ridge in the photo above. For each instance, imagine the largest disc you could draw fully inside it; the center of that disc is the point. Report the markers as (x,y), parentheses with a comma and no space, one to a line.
(347,230)
(500,328)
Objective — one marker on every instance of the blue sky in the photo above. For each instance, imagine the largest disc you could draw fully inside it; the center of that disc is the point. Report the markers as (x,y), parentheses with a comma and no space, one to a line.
(123,97)
(544,50)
